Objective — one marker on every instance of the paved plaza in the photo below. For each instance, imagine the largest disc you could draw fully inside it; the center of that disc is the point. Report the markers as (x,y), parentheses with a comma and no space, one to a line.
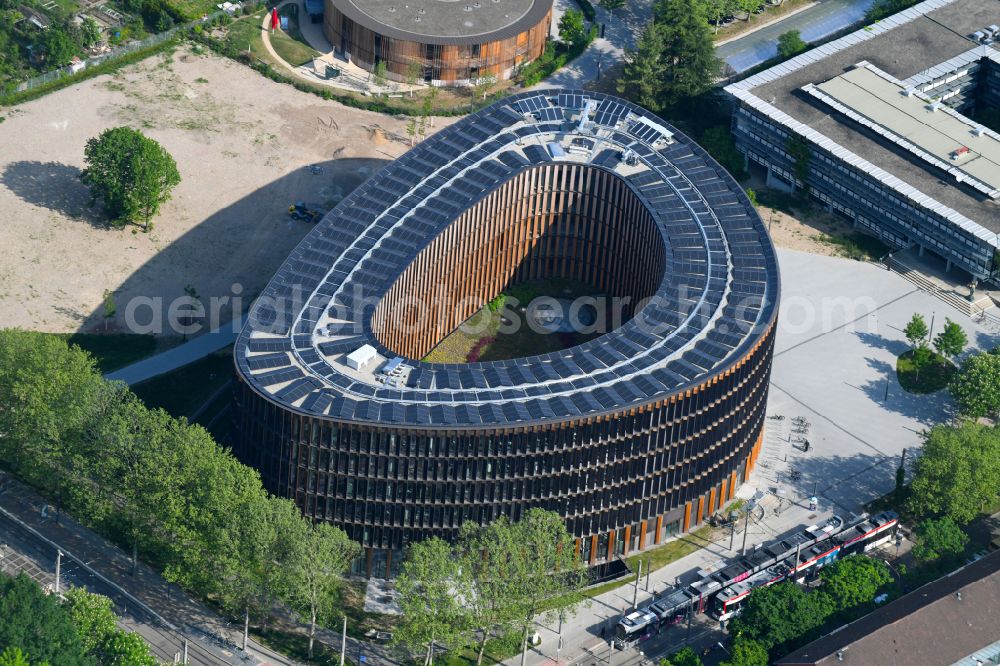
(840,330)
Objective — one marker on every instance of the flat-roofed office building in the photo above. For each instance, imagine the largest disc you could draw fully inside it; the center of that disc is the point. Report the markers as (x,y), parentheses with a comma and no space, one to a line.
(879,126)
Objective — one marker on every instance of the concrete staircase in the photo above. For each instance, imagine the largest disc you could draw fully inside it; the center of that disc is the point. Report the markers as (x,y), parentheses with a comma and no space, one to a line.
(983,310)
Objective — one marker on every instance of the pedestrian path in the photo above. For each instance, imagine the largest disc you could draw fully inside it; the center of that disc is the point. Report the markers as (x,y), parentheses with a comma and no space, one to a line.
(179,356)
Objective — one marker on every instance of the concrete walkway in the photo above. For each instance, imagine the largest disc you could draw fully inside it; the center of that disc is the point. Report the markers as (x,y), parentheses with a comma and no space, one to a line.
(181,355)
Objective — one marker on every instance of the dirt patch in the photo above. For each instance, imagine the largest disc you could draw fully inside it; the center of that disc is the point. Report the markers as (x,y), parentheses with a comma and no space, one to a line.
(804,232)
(804,226)
(243,145)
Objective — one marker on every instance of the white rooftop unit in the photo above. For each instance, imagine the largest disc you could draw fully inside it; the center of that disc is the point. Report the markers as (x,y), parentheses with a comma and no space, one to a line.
(361,357)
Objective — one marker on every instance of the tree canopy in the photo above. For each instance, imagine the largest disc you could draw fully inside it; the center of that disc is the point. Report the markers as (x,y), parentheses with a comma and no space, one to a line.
(951,341)
(674,59)
(428,586)
(35,623)
(976,386)
(686,656)
(131,173)
(855,580)
(161,485)
(790,43)
(958,472)
(506,574)
(572,28)
(939,539)
(779,614)
(916,331)
(746,652)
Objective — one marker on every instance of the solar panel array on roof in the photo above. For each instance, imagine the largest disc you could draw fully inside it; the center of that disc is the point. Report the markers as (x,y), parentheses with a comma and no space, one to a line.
(718,283)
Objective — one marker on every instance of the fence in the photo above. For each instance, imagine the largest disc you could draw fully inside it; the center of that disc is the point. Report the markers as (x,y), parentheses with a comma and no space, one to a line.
(119,52)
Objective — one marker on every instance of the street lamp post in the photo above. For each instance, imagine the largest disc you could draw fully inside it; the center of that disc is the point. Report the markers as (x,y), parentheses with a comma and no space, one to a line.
(559,644)
(746,528)
(58,565)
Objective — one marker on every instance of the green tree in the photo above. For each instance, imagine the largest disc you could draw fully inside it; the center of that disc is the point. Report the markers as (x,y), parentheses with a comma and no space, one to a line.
(93,617)
(690,65)
(12,656)
(59,47)
(379,75)
(127,649)
(799,149)
(686,656)
(854,580)
(131,173)
(37,624)
(48,391)
(940,538)
(611,5)
(749,7)
(431,613)
(976,386)
(484,85)
(414,70)
(951,341)
(642,79)
(916,331)
(958,473)
(90,32)
(128,446)
(110,307)
(790,43)
(242,560)
(746,652)
(321,555)
(489,596)
(883,8)
(286,522)
(543,570)
(572,29)
(717,9)
(95,623)
(778,615)
(718,141)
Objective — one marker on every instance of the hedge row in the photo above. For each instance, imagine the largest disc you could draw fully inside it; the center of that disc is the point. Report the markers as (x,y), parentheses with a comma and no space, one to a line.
(106,67)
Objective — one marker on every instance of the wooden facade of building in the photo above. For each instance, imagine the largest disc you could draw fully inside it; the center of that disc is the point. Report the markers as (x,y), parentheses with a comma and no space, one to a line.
(458,63)
(555,221)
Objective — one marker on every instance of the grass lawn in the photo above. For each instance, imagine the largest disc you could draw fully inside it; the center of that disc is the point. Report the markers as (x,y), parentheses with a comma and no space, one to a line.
(245,32)
(661,556)
(495,345)
(193,9)
(291,45)
(116,350)
(932,377)
(183,391)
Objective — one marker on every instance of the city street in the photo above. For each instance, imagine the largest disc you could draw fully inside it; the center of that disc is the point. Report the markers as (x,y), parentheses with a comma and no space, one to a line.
(160,612)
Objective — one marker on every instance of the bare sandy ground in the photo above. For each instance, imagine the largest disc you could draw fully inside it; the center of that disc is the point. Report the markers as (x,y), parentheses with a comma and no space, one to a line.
(805,232)
(242,144)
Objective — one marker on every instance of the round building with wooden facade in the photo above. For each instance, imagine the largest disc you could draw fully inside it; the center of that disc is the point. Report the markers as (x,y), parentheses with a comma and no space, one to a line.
(440,42)
(633,435)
